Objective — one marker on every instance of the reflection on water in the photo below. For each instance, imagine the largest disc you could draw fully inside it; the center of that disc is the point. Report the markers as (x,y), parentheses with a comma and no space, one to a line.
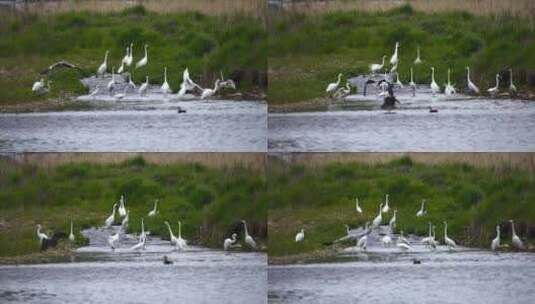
(442,277)
(208,126)
(461,124)
(198,275)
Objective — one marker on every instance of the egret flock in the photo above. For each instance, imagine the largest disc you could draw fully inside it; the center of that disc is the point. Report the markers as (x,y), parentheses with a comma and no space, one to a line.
(334,90)
(114,238)
(130,87)
(430,241)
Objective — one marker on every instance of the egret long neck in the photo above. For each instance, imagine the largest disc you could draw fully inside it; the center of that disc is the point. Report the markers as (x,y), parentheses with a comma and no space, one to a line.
(179,229)
(412,80)
(497,81)
(433,75)
(513,228)
(170,231)
(511,78)
(245,228)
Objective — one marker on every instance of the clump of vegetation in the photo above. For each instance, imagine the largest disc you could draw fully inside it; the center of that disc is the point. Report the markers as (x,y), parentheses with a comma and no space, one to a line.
(307,51)
(322,200)
(205,44)
(209,202)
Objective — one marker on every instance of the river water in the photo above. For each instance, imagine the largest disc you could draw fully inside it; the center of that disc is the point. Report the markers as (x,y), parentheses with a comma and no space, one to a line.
(389,275)
(149,126)
(97,275)
(461,124)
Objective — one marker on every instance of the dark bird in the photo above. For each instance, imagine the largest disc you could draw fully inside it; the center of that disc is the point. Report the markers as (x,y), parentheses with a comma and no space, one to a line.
(369,81)
(167,261)
(53,241)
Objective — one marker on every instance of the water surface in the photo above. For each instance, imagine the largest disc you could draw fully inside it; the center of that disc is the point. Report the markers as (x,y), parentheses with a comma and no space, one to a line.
(207,126)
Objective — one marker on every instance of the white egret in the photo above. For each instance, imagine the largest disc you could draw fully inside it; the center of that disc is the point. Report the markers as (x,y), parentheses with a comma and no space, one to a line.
(496,241)
(124,223)
(187,84)
(165,88)
(122,208)
(392,222)
(131,82)
(378,219)
(95,92)
(111,83)
(375,67)
(403,246)
(386,207)
(402,239)
(210,92)
(357,206)
(109,221)
(331,87)
(422,211)
(517,242)
(394,68)
(343,91)
(386,240)
(412,84)
(427,240)
(71,234)
(471,86)
(417,60)
(398,81)
(512,87)
(142,235)
(172,237)
(299,237)
(449,242)
(394,59)
(126,56)
(348,231)
(495,90)
(154,210)
(143,60)
(362,243)
(139,245)
(449,89)
(40,235)
(248,239)
(181,243)
(227,244)
(229,83)
(434,86)
(144,87)
(38,85)
(130,58)
(104,66)
(112,240)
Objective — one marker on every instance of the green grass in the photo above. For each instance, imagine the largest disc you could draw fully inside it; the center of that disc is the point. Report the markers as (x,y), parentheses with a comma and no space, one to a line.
(321,200)
(210,202)
(306,52)
(204,44)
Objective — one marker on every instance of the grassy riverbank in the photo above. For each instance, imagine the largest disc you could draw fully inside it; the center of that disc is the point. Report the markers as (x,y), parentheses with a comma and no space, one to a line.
(321,199)
(30,42)
(307,51)
(209,201)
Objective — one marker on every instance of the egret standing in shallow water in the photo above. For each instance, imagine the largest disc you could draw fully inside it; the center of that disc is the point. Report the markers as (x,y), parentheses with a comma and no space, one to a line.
(375,67)
(130,58)
(471,86)
(248,239)
(496,242)
(172,237)
(362,243)
(435,88)
(227,244)
(392,222)
(378,219)
(331,87)
(143,60)
(165,88)
(208,92)
(181,243)
(144,87)
(122,208)
(357,206)
(124,223)
(104,66)
(394,59)
(412,84)
(112,240)
(495,90)
(512,87)
(450,89)
(109,221)
(449,242)
(517,242)
(111,83)
(126,56)
(299,237)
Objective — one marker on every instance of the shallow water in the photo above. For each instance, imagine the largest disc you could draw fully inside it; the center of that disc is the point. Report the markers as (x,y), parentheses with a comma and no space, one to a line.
(442,277)
(207,126)
(97,275)
(462,124)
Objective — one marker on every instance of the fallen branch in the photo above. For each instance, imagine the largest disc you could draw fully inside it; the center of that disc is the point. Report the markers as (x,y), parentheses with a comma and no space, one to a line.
(61,63)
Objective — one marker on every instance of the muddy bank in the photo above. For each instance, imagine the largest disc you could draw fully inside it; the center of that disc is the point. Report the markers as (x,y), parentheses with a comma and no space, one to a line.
(46,106)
